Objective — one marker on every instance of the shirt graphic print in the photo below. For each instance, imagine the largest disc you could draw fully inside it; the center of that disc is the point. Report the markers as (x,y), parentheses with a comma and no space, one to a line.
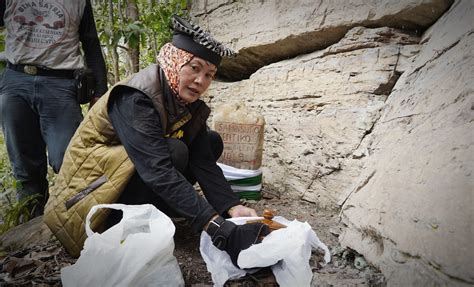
(39,24)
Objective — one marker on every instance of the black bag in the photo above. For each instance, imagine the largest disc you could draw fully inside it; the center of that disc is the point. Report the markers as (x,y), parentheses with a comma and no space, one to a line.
(85,83)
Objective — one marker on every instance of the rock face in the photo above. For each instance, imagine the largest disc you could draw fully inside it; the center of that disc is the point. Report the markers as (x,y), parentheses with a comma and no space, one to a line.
(268,31)
(319,107)
(365,115)
(411,212)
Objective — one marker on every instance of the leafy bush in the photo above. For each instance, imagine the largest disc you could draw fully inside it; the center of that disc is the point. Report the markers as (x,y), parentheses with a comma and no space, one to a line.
(8,186)
(120,33)
(17,213)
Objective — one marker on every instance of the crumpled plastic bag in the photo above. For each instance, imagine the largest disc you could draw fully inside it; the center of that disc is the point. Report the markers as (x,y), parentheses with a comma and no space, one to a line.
(137,251)
(287,250)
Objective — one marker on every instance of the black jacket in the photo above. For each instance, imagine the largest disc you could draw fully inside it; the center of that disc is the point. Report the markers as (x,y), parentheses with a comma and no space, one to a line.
(138,126)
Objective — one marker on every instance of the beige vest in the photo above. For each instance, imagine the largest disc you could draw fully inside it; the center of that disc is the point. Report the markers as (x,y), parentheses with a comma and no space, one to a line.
(44,33)
(96,167)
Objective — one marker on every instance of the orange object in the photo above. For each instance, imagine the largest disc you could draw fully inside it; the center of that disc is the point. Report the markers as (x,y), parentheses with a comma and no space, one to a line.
(268,220)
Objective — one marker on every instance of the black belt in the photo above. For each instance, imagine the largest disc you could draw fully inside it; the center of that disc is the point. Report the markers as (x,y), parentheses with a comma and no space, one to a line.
(37,71)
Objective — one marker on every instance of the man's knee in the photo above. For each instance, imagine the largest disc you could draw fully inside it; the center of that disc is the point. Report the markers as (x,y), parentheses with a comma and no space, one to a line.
(56,161)
(179,153)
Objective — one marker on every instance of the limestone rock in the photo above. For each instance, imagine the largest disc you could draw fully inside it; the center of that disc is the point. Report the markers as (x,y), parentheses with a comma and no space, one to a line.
(318,109)
(269,31)
(375,119)
(411,212)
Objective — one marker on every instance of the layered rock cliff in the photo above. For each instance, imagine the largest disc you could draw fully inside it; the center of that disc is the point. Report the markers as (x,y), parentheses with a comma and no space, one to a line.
(369,109)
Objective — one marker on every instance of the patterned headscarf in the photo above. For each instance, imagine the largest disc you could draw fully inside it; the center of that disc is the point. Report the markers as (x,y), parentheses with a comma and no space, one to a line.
(171,60)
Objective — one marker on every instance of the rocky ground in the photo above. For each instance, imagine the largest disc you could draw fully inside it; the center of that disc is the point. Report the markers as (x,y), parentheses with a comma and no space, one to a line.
(40,264)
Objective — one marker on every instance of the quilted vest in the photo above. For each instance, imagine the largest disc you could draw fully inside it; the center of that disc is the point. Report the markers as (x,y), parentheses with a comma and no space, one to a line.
(96,167)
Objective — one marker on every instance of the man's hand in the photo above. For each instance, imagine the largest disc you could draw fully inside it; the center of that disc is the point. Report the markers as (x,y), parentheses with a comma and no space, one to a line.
(241,211)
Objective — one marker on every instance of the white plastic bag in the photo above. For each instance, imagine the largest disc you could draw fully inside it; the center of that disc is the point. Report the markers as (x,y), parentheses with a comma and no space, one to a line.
(137,251)
(292,245)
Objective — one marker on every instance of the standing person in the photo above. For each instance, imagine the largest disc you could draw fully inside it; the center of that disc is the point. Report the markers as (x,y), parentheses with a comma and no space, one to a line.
(146,141)
(38,95)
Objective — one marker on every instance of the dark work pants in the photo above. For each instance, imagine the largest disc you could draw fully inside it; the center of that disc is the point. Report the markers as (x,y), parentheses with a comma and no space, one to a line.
(137,192)
(39,116)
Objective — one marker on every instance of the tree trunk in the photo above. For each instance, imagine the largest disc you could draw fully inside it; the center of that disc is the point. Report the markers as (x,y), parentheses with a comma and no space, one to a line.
(133,52)
(154,46)
(112,47)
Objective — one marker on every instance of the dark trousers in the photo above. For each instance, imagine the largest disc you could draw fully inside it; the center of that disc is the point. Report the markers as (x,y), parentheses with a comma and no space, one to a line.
(39,116)
(137,192)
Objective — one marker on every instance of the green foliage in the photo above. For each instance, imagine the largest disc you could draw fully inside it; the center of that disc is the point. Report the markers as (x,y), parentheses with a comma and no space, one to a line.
(7,181)
(2,47)
(157,30)
(132,32)
(8,185)
(17,213)
(13,212)
(119,33)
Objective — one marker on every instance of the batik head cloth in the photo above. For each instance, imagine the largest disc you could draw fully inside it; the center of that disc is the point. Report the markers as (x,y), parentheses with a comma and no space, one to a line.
(171,60)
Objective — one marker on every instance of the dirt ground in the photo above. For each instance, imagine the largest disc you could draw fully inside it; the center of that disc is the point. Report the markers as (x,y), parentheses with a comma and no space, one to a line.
(40,265)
